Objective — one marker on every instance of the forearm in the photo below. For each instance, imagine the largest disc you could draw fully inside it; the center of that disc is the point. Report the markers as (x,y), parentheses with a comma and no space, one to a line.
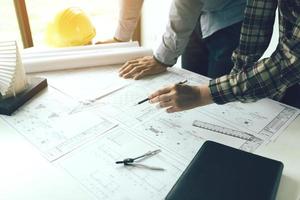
(269,77)
(128,17)
(183,18)
(256,33)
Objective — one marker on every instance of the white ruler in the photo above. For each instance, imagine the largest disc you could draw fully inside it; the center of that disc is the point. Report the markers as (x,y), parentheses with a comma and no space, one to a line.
(224,130)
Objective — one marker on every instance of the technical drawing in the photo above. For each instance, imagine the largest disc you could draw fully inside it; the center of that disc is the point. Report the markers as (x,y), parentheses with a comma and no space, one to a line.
(99,174)
(223,130)
(251,116)
(46,122)
(251,143)
(60,125)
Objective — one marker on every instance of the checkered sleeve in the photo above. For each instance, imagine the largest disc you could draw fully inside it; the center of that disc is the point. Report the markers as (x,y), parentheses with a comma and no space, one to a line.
(256,32)
(268,77)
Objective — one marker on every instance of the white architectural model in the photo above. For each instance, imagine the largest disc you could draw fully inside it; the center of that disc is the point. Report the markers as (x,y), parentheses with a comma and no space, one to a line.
(12,75)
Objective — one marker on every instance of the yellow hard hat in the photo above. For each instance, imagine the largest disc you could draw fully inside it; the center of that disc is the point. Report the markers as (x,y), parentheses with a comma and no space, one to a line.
(70,27)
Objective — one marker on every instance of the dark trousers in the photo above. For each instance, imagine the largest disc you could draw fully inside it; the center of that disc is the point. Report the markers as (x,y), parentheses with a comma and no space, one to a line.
(292,96)
(211,56)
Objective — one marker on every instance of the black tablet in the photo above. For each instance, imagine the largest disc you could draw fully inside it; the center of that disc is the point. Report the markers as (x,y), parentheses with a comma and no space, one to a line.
(219,172)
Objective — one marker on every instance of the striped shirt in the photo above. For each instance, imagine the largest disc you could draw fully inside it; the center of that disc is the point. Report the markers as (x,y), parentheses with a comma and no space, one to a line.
(252,79)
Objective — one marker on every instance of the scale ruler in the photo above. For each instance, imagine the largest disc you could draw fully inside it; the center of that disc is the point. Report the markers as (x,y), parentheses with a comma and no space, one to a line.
(223,130)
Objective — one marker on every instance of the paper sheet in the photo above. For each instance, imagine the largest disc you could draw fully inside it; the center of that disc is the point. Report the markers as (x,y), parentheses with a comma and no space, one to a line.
(86,85)
(60,126)
(49,124)
(106,180)
(177,133)
(266,118)
(145,125)
(122,104)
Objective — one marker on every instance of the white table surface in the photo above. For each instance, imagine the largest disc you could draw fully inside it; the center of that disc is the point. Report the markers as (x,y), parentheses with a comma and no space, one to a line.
(25,174)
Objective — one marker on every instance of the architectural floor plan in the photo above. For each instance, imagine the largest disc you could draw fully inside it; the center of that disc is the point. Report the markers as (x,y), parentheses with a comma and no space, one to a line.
(85,138)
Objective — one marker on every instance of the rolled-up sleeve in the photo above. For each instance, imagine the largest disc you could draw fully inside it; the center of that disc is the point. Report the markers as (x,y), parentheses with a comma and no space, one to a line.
(269,77)
(183,18)
(250,79)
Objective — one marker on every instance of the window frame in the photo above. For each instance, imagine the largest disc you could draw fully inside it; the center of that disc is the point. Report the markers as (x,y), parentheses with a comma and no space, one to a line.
(23,21)
(25,31)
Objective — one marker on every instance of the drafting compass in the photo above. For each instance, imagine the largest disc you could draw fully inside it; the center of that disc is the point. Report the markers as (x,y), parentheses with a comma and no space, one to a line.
(134,161)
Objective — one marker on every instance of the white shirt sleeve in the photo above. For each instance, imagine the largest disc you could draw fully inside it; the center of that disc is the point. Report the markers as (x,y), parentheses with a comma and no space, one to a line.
(183,17)
(128,17)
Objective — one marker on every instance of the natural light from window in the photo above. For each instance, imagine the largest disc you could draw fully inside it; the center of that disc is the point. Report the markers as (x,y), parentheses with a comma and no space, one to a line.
(103,14)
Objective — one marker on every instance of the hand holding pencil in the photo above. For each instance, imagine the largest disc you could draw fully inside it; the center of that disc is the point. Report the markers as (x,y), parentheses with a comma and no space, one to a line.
(148,99)
(181,97)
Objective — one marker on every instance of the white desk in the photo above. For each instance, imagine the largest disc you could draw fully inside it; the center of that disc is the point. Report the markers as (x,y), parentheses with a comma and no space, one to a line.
(287,149)
(25,174)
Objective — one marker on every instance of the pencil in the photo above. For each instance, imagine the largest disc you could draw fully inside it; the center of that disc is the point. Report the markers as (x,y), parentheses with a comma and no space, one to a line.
(144,100)
(147,99)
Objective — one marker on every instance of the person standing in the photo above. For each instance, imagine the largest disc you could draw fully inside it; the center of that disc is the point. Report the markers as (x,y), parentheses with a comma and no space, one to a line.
(276,77)
(204,32)
(129,15)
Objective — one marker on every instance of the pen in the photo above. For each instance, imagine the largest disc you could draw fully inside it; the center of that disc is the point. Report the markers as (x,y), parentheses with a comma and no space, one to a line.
(147,99)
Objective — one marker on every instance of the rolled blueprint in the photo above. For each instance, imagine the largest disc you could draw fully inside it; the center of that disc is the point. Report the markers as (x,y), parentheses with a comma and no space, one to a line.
(80,57)
(40,51)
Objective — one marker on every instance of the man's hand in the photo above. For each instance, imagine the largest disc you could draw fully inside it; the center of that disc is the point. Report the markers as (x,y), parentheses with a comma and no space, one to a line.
(141,67)
(107,41)
(181,97)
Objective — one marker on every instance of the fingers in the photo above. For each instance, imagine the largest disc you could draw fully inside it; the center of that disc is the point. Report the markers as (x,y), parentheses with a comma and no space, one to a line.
(107,41)
(173,109)
(132,69)
(176,98)
(141,67)
(142,73)
(166,98)
(130,73)
(154,97)
(166,104)
(128,65)
(167,101)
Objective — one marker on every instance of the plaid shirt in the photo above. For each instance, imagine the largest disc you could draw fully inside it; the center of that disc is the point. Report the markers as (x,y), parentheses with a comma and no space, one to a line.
(251,79)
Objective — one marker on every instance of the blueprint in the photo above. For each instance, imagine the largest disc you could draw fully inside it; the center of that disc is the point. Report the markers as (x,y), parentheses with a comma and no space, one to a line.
(47,122)
(178,133)
(107,180)
(122,105)
(87,120)
(88,84)
(266,118)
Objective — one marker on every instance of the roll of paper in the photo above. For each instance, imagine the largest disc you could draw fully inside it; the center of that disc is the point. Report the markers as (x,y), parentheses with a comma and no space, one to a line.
(40,50)
(81,57)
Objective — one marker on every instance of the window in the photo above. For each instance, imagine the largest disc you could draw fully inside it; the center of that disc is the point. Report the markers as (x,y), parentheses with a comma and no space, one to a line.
(9,29)
(103,14)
